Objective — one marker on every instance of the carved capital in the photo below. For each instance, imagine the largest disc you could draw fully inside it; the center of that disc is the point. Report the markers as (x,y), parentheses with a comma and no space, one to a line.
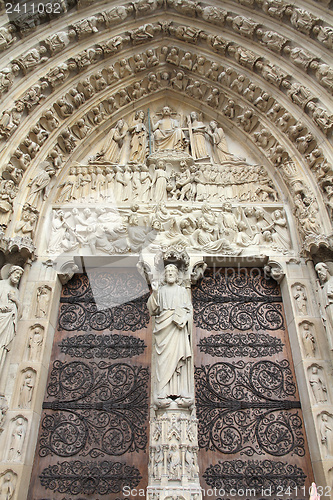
(197,272)
(274,270)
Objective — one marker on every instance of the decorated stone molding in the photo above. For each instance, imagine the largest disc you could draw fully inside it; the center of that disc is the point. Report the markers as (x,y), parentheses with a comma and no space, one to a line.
(326,126)
(300,19)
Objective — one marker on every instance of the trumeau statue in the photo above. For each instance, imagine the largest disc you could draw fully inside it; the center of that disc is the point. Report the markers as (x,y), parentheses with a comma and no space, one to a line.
(171,307)
(9,309)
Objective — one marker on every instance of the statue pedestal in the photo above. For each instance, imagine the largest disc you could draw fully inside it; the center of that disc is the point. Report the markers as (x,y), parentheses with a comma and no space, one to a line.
(173,467)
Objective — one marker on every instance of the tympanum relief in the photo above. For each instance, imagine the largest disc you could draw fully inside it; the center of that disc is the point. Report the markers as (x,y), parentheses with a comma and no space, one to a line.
(166,178)
(228,229)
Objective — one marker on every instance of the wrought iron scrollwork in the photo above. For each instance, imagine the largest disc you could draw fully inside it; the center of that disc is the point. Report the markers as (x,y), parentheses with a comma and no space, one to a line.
(89,478)
(90,346)
(99,409)
(233,345)
(237,299)
(114,301)
(254,475)
(243,407)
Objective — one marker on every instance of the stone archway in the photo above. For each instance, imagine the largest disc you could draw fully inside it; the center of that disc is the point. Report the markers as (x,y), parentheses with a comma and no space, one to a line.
(258,78)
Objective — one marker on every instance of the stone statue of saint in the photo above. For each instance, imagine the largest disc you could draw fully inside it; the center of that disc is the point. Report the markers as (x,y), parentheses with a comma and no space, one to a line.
(301,300)
(218,142)
(318,386)
(171,306)
(139,136)
(17,440)
(113,146)
(7,486)
(26,390)
(198,136)
(326,433)
(9,309)
(167,133)
(35,342)
(326,280)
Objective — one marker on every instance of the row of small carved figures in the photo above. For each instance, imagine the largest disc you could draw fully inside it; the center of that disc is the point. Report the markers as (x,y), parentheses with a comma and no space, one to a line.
(226,76)
(106,230)
(299,18)
(242,25)
(193,183)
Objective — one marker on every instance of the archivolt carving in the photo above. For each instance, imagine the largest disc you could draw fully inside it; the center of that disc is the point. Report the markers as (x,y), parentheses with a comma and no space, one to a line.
(61,73)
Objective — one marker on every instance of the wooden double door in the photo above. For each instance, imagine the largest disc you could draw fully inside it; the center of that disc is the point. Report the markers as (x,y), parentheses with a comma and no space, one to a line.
(94,431)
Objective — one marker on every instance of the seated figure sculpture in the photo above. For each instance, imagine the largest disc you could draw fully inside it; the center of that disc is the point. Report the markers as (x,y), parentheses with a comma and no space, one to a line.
(167,132)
